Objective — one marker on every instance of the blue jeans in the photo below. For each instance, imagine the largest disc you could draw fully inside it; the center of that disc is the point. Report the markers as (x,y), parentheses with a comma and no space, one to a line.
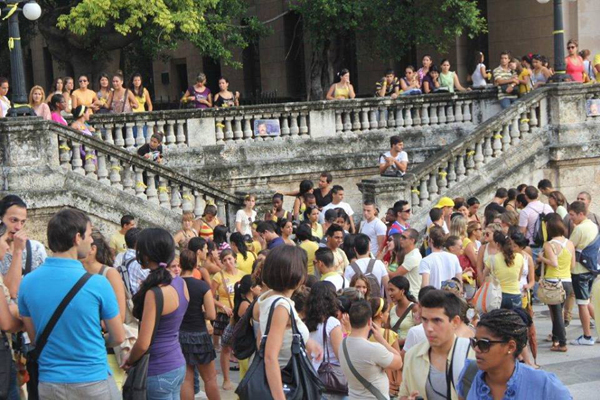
(506,102)
(13,388)
(511,301)
(166,386)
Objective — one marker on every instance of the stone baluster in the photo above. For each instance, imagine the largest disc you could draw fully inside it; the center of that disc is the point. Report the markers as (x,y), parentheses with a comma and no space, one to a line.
(294,129)
(140,139)
(339,126)
(470,163)
(399,116)
(433,118)
(151,191)
(175,197)
(461,170)
(199,205)
(458,114)
(451,172)
(64,154)
(285,129)
(391,122)
(414,194)
(228,129)
(408,121)
(304,124)
(515,133)
(467,115)
(219,135)
(248,128)
(424,195)
(505,137)
(425,114)
(90,166)
(487,149)
(180,138)
(433,187)
(533,119)
(382,118)
(416,115)
(442,114)
(356,125)
(450,113)
(364,120)
(478,157)
(160,127)
(128,181)
(129,140)
(115,174)
(524,123)
(140,186)
(442,182)
(107,136)
(171,139)
(187,204)
(77,163)
(373,119)
(346,117)
(150,130)
(163,193)
(238,134)
(497,144)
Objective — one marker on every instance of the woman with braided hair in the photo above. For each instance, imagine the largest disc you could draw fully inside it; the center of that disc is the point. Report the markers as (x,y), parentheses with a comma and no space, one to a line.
(500,337)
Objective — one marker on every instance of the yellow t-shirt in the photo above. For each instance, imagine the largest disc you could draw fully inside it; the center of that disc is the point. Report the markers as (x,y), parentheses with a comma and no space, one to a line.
(226,283)
(310,247)
(465,242)
(256,247)
(317,230)
(524,74)
(117,243)
(596,62)
(388,334)
(245,265)
(582,235)
(507,276)
(407,323)
(84,98)
(141,102)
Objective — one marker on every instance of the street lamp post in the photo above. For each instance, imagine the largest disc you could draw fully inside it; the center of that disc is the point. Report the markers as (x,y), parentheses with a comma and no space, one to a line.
(559,42)
(32,11)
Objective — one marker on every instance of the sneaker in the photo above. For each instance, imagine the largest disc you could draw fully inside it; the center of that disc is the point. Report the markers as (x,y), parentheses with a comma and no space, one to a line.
(581,341)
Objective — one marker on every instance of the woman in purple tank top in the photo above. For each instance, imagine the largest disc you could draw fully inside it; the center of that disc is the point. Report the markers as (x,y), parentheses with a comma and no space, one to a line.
(166,370)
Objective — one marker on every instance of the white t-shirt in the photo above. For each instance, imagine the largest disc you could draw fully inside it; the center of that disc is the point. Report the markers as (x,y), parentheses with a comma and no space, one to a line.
(369,359)
(246,221)
(400,157)
(444,225)
(373,229)
(338,281)
(330,206)
(379,269)
(317,336)
(411,263)
(478,79)
(441,266)
(415,335)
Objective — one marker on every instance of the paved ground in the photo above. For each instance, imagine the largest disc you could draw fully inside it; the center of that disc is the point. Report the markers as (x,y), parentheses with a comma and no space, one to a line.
(579,368)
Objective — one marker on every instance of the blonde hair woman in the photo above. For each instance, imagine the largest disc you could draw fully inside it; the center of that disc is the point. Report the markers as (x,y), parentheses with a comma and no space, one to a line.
(37,99)
(187,232)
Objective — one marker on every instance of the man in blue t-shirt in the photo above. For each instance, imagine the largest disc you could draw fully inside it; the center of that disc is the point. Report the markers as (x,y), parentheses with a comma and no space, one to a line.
(73,363)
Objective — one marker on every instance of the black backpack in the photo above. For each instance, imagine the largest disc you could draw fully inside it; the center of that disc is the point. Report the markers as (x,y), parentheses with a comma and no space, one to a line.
(540,234)
(244,340)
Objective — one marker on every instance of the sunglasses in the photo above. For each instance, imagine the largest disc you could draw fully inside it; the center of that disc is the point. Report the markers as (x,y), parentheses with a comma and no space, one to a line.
(450,284)
(82,80)
(406,211)
(571,47)
(484,344)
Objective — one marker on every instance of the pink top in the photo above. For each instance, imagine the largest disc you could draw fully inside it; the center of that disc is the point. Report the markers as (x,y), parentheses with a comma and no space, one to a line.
(43,111)
(56,117)
(575,70)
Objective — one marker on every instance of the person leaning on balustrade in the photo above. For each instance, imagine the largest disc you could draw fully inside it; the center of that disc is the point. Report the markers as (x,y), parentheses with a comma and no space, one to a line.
(343,89)
(37,102)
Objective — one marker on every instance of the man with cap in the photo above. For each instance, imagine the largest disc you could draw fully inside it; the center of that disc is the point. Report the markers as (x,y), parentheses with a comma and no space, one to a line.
(446,204)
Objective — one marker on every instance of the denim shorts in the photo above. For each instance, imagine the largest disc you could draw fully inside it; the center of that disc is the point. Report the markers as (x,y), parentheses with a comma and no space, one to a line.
(582,286)
(511,301)
(166,386)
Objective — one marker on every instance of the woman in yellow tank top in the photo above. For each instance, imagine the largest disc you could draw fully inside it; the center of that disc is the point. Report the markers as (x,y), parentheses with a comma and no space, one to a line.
(343,89)
(141,94)
(558,257)
(506,265)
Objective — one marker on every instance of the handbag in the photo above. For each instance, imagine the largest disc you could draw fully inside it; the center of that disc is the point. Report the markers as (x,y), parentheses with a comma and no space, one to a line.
(134,387)
(244,341)
(489,296)
(550,293)
(331,375)
(34,355)
(299,378)
(368,385)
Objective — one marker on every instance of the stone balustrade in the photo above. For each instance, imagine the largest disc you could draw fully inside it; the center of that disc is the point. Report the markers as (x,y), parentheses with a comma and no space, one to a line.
(196,128)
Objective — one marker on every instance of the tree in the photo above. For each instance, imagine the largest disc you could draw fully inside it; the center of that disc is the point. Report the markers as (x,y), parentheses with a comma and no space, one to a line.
(392,27)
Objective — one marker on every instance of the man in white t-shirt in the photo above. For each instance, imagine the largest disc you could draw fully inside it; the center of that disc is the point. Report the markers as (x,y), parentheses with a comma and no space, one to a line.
(324,263)
(378,270)
(368,360)
(395,161)
(440,265)
(412,260)
(373,227)
(337,194)
(530,214)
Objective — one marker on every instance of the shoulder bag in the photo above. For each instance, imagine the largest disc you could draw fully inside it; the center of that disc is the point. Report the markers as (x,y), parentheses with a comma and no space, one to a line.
(368,385)
(244,341)
(34,355)
(299,378)
(396,326)
(331,375)
(550,293)
(489,296)
(134,387)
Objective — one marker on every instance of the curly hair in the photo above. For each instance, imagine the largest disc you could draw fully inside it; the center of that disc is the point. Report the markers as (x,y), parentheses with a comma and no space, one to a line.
(507,325)
(361,277)
(321,304)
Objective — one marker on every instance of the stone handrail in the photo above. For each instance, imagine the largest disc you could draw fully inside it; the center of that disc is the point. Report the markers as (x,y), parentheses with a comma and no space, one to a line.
(195,128)
(118,168)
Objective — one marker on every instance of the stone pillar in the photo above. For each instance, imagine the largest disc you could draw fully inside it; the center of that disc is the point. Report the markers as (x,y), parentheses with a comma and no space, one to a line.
(384,191)
(201,132)
(321,123)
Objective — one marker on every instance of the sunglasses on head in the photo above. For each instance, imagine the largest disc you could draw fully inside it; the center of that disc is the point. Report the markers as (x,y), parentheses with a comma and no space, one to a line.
(484,344)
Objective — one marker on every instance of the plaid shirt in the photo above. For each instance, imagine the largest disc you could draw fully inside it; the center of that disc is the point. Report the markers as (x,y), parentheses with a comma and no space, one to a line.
(136,274)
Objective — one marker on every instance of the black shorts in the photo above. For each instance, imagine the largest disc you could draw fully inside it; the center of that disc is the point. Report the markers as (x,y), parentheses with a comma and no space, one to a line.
(582,286)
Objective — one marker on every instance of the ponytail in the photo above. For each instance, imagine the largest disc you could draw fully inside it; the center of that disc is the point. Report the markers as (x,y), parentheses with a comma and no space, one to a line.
(240,289)
(505,244)
(402,283)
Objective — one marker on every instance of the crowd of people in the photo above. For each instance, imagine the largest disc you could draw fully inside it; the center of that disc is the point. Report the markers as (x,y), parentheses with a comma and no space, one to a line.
(381,309)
